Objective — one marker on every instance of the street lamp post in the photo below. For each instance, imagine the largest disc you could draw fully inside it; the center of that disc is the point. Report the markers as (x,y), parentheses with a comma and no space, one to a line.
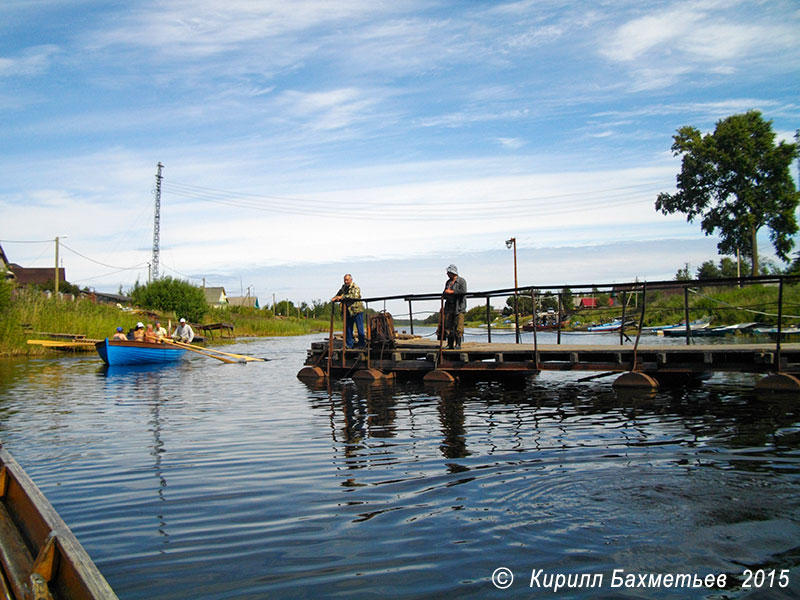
(512,243)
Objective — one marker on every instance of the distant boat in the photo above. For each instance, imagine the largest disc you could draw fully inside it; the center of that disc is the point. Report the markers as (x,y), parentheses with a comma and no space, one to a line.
(544,327)
(701,323)
(118,352)
(680,330)
(614,325)
(787,333)
(724,330)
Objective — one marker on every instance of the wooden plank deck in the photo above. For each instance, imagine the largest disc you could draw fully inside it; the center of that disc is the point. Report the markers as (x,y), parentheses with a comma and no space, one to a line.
(418,357)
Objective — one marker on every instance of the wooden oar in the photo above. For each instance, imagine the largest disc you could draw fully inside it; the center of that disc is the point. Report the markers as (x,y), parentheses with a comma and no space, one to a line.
(208,354)
(239,357)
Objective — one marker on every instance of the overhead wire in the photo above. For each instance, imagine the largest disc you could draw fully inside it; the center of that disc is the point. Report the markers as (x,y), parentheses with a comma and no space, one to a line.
(390,209)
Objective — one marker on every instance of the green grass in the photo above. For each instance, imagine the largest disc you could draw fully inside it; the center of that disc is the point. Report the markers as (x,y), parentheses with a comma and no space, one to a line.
(725,306)
(31,311)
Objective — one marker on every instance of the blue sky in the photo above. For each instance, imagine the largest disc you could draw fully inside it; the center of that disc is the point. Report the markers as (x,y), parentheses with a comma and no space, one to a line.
(305,139)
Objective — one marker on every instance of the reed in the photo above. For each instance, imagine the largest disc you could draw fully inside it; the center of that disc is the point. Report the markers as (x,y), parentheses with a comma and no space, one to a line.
(31,311)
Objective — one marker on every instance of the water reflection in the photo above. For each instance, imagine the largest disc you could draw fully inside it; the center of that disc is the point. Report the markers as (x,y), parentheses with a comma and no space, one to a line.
(222,481)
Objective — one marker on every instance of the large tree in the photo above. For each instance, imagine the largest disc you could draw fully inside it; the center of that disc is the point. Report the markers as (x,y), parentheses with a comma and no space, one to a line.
(736,180)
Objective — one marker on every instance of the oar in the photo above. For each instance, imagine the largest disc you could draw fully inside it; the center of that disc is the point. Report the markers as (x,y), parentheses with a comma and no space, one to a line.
(239,357)
(208,354)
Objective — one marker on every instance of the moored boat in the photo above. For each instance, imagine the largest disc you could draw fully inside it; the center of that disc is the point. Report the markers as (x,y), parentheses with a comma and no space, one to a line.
(529,326)
(41,558)
(119,352)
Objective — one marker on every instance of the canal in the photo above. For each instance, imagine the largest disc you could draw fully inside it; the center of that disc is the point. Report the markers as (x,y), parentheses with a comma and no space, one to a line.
(210,480)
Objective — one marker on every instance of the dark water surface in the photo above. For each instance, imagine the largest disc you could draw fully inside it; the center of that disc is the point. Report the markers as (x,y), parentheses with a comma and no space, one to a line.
(209,480)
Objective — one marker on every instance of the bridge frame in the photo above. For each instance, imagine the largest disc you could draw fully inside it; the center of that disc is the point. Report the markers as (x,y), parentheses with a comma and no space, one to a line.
(636,365)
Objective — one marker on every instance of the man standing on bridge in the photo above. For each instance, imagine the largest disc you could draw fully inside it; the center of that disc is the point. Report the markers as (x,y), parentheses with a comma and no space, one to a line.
(350,294)
(455,307)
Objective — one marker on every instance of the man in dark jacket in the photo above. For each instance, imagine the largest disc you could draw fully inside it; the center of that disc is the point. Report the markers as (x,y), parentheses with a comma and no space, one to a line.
(455,307)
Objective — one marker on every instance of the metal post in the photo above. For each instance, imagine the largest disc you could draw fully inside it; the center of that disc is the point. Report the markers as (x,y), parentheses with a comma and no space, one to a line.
(686,315)
(535,344)
(411,317)
(641,322)
(368,332)
(560,308)
(488,321)
(344,331)
(622,327)
(512,243)
(780,321)
(56,276)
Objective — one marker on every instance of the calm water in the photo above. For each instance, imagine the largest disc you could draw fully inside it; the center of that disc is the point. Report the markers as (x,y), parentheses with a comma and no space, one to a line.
(209,480)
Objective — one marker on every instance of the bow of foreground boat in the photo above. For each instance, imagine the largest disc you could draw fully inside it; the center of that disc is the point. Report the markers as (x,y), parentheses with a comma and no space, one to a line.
(39,555)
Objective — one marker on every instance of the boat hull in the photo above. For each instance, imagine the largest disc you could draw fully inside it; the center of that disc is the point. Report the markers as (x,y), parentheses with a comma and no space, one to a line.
(41,557)
(118,352)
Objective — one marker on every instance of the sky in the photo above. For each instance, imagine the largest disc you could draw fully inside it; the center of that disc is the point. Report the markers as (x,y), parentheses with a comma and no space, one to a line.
(388,139)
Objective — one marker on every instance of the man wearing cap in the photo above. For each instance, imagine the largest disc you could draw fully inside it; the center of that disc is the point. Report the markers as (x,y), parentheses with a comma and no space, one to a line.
(350,294)
(183,332)
(120,334)
(455,307)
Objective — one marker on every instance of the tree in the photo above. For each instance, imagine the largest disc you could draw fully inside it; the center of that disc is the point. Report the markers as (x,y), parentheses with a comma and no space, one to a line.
(708,270)
(736,181)
(567,303)
(728,267)
(683,274)
(168,294)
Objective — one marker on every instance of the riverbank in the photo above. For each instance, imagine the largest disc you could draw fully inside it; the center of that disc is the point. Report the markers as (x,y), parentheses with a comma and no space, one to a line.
(34,312)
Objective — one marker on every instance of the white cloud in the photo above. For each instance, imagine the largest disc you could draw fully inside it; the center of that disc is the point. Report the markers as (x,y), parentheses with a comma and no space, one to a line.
(32,61)
(662,47)
(511,143)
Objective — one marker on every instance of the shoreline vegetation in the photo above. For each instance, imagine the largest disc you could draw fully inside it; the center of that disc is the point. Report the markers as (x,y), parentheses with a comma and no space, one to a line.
(31,311)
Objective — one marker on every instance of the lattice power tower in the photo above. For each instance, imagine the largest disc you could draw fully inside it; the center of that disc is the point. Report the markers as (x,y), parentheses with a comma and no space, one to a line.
(156,225)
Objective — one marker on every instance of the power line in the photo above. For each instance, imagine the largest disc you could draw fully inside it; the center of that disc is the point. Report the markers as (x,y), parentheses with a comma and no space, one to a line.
(139,266)
(456,208)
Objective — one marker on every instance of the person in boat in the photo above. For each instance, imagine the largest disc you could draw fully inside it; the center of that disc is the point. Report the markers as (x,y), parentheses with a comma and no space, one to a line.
(150,335)
(455,307)
(160,331)
(138,332)
(350,294)
(120,334)
(183,332)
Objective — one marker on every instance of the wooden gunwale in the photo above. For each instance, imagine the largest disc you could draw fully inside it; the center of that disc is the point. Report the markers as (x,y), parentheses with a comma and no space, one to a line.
(39,555)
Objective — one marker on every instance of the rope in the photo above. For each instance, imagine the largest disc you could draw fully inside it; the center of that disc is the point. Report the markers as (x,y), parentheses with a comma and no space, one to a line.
(755,312)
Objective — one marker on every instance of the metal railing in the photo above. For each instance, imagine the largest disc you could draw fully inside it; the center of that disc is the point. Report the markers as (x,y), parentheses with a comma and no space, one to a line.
(623,294)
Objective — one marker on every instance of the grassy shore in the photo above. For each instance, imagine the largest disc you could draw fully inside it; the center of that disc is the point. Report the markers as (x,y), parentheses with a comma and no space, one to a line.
(32,312)
(724,305)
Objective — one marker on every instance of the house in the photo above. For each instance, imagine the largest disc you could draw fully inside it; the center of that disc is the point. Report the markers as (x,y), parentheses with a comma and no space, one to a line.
(588,303)
(36,275)
(249,301)
(30,275)
(215,296)
(4,265)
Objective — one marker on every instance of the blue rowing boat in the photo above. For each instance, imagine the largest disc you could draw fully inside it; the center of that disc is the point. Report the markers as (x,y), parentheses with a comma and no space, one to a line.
(118,352)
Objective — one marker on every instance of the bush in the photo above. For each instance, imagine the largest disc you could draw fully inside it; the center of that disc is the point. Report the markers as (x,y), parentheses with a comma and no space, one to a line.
(168,294)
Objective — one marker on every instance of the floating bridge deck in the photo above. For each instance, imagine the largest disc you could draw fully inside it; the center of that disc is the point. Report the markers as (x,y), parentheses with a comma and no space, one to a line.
(642,366)
(637,364)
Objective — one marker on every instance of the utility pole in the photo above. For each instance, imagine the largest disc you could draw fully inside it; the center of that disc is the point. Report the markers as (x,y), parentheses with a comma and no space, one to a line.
(56,277)
(157,224)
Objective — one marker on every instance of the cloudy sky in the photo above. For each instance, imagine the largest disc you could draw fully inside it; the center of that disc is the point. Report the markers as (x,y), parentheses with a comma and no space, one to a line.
(304,139)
